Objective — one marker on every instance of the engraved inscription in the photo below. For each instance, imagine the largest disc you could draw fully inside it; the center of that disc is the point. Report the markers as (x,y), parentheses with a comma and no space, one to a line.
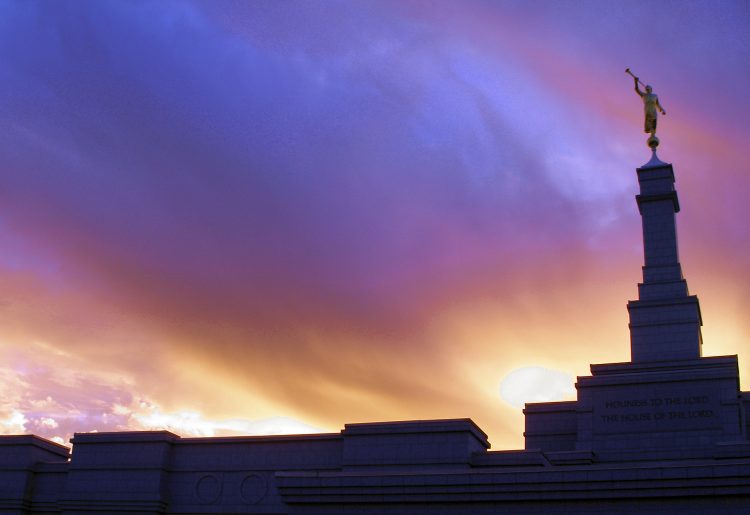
(621,412)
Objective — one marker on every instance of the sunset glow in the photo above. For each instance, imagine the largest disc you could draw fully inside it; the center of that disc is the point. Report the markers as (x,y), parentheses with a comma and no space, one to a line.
(224,217)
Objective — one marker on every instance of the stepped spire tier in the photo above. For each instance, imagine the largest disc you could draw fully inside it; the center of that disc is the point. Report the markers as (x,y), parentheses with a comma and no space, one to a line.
(665,321)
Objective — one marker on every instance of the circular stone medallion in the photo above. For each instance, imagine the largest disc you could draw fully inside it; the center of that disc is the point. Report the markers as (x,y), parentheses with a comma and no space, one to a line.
(208,489)
(253,488)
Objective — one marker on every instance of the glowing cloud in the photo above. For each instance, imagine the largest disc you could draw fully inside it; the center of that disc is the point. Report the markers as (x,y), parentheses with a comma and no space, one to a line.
(536,384)
(242,218)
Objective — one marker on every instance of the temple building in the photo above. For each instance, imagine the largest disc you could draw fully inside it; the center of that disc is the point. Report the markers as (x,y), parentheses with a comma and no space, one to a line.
(666,432)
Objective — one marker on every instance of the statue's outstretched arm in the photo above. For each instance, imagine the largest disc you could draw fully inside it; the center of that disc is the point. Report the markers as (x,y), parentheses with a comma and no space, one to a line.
(637,89)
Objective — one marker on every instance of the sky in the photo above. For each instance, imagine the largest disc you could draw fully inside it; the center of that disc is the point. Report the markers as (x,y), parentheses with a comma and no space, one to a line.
(227,217)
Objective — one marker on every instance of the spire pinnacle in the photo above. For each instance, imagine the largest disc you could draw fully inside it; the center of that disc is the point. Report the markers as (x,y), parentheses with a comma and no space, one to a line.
(655,162)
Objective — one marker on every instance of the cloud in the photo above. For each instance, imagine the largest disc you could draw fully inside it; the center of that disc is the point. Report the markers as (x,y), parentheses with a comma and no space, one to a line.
(536,384)
(188,423)
(48,422)
(96,402)
(13,423)
(210,198)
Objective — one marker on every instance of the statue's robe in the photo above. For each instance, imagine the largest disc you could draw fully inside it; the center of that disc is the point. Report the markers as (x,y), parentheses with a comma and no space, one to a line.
(650,102)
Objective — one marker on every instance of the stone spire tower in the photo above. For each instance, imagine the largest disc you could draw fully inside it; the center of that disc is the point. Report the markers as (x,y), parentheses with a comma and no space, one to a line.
(665,321)
(668,402)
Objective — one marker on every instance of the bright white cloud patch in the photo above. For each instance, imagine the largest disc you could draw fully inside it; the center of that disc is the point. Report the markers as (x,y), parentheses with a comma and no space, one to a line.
(13,423)
(536,384)
(48,422)
(149,416)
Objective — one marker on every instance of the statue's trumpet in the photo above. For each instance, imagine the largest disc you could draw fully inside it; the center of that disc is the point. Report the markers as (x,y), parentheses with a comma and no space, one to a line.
(627,70)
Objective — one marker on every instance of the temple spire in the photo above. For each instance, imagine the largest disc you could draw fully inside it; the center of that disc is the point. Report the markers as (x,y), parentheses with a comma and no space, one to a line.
(665,321)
